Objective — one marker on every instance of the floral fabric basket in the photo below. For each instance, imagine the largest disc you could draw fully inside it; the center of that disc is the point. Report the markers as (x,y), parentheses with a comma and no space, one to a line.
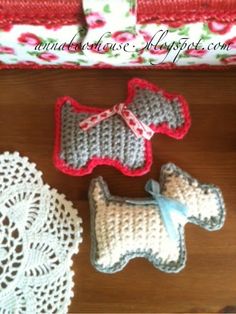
(117,33)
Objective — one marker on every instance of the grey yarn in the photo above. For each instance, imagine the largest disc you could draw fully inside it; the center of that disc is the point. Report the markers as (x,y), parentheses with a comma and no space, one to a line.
(112,138)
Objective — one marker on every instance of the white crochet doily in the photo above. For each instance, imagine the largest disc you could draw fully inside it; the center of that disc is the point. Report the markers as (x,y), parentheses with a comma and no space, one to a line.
(39,233)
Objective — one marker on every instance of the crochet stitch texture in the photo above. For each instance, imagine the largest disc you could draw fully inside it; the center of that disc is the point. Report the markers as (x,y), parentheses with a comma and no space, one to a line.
(39,233)
(122,229)
(112,142)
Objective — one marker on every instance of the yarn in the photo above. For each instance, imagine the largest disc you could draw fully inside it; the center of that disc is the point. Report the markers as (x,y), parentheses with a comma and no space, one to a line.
(122,228)
(39,233)
(112,142)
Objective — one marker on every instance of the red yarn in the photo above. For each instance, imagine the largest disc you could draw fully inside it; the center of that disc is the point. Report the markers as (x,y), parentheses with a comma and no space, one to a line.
(95,161)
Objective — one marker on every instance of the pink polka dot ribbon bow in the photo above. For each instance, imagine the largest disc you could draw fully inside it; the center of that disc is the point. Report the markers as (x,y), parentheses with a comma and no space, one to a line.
(139,128)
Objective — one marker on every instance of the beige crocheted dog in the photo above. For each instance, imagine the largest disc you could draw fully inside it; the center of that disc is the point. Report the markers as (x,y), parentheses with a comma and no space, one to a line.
(152,228)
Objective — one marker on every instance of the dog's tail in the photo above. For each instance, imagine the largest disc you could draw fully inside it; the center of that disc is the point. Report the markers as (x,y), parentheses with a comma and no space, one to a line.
(98,192)
(204,201)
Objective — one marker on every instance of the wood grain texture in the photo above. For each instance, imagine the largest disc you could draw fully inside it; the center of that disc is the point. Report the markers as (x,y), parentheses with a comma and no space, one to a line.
(208,152)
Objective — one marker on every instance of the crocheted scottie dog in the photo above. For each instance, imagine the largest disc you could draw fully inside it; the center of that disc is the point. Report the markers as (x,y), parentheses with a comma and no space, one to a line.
(153,228)
(87,137)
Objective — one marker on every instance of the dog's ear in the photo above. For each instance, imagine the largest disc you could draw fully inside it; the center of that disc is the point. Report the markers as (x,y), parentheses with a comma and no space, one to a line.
(165,113)
(65,101)
(204,201)
(98,191)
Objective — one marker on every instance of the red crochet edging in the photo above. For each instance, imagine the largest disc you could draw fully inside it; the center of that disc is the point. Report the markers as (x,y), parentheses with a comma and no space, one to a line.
(96,161)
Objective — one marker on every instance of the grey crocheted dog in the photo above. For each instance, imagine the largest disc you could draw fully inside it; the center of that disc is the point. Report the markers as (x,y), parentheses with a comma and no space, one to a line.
(112,139)
(123,228)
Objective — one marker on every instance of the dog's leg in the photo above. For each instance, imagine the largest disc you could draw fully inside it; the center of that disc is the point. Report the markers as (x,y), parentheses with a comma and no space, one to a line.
(204,201)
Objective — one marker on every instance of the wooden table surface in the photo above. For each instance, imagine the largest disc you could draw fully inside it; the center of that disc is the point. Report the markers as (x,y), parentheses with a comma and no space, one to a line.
(208,152)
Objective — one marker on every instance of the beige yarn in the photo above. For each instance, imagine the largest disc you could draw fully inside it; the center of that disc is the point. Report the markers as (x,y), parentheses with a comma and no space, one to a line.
(125,228)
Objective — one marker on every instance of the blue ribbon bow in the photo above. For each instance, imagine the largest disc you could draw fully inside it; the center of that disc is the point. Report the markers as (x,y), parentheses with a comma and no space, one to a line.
(167,207)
